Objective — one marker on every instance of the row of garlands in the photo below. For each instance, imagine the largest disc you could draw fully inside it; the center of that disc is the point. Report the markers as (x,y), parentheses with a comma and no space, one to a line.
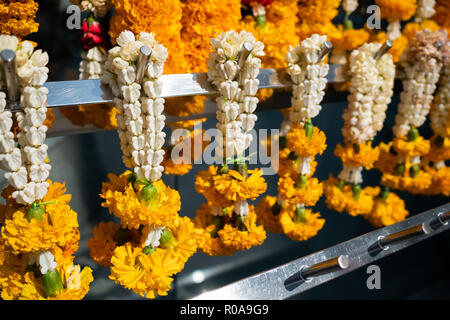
(152,243)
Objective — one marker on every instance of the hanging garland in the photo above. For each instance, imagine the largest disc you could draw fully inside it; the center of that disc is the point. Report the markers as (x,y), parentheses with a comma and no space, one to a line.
(152,243)
(228,223)
(297,189)
(400,160)
(39,233)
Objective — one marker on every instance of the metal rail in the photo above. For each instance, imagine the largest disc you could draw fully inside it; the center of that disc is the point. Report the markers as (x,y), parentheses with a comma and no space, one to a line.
(315,269)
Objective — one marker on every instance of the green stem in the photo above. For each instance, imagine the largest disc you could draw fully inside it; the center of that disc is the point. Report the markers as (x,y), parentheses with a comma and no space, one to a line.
(52,283)
(218,223)
(302,182)
(413,134)
(148,250)
(167,239)
(341,184)
(356,190)
(309,129)
(300,215)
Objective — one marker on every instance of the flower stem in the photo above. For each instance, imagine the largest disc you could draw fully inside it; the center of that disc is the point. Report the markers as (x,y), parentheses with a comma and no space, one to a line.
(356,190)
(309,129)
(300,215)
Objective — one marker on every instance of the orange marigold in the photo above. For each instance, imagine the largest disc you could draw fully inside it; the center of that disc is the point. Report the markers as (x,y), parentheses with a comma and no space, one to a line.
(387,211)
(300,231)
(308,195)
(298,142)
(405,148)
(123,200)
(266,216)
(397,10)
(362,155)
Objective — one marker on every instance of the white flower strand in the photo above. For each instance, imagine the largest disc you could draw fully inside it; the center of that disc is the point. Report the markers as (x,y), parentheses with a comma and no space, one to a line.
(419,85)
(98,7)
(154,237)
(308,77)
(237,100)
(91,65)
(439,114)
(425,9)
(27,168)
(140,122)
(365,84)
(394,30)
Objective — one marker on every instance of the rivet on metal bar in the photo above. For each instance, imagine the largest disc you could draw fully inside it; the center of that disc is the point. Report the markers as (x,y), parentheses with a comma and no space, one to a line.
(248,48)
(384,48)
(307,273)
(438,44)
(326,48)
(385,241)
(144,56)
(442,219)
(12,82)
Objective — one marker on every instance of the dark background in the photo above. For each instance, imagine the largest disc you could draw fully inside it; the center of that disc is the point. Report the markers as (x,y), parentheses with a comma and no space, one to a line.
(83,161)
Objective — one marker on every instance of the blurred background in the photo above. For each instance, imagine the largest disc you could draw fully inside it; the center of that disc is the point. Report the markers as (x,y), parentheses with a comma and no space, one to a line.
(84,160)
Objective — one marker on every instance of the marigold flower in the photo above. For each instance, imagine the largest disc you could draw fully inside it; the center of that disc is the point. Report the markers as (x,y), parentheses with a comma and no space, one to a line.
(416,185)
(253,234)
(387,211)
(17,17)
(334,196)
(308,195)
(300,231)
(397,10)
(440,181)
(221,190)
(208,243)
(266,216)
(438,153)
(102,244)
(298,142)
(287,166)
(349,39)
(147,275)
(33,289)
(411,28)
(56,229)
(405,148)
(363,155)
(122,200)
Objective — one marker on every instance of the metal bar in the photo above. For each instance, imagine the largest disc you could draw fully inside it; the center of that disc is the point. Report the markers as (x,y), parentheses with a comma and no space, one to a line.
(8,58)
(272,284)
(144,56)
(412,232)
(384,48)
(88,92)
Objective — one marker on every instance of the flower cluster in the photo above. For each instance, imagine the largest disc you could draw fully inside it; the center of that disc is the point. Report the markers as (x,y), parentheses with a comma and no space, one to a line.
(97,7)
(152,243)
(17,17)
(400,160)
(297,188)
(39,228)
(233,66)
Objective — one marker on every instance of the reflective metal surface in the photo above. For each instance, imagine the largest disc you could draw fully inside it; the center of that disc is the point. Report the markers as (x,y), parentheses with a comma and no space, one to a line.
(361,251)
(86,92)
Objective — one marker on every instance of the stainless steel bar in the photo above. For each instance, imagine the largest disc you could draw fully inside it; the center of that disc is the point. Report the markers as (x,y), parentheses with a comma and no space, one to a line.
(144,56)
(327,47)
(88,92)
(414,231)
(384,48)
(8,58)
(248,48)
(271,284)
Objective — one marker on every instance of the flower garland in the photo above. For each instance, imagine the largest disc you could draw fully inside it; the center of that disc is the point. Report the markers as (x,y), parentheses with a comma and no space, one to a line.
(152,243)
(297,189)
(400,159)
(228,223)
(394,12)
(371,89)
(39,227)
(440,144)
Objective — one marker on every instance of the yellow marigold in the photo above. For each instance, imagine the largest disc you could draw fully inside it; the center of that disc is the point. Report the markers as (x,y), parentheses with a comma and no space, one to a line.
(264,94)
(289,190)
(438,153)
(102,244)
(287,166)
(405,148)
(300,231)
(75,115)
(202,20)
(122,199)
(162,17)
(10,264)
(147,275)
(349,39)
(387,211)
(386,161)
(416,185)
(399,44)
(342,199)
(265,215)
(182,230)
(208,243)
(440,181)
(397,10)
(170,167)
(411,28)
(362,155)
(17,17)
(334,196)
(101,116)
(254,235)
(33,289)
(56,229)
(319,12)
(221,190)
(298,142)
(11,286)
